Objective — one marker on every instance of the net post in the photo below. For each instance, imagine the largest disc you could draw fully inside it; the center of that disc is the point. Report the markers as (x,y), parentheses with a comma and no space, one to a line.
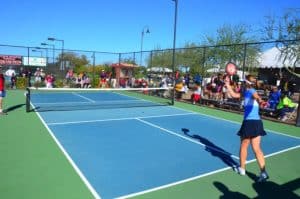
(27,100)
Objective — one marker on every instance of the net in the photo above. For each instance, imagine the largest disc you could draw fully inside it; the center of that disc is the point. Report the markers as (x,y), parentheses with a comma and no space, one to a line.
(68,99)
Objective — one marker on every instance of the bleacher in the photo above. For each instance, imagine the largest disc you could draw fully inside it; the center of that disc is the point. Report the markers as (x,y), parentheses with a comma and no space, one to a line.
(237,106)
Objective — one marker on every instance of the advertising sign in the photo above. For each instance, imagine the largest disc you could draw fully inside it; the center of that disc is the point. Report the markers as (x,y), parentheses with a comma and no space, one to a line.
(35,61)
(10,60)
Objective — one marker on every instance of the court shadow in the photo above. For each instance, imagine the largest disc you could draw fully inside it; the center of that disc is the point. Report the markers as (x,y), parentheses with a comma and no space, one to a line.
(227,194)
(12,108)
(271,189)
(213,149)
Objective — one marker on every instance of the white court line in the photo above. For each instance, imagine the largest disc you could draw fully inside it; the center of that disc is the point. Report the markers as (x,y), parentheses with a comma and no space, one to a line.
(185,138)
(234,122)
(73,164)
(196,177)
(173,184)
(117,119)
(276,153)
(86,98)
(199,176)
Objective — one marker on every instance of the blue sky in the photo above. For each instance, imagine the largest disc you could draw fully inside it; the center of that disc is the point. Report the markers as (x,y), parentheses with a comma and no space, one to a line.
(116,25)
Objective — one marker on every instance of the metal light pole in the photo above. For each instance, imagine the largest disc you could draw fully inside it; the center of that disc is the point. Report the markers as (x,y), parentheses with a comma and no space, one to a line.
(33,50)
(174,46)
(53,47)
(46,52)
(62,50)
(145,30)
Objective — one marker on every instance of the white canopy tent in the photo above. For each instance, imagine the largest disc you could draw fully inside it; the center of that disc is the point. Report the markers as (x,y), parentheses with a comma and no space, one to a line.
(271,59)
(159,70)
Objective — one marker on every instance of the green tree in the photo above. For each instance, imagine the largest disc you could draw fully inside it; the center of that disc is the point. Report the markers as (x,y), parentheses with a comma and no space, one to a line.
(160,58)
(79,62)
(191,56)
(229,46)
(286,29)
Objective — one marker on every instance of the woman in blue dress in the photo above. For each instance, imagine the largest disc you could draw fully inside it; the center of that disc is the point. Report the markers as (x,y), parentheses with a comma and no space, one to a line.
(252,128)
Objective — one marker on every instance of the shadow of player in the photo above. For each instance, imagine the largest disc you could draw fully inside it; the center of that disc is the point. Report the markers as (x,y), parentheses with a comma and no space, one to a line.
(271,189)
(227,194)
(215,150)
(12,108)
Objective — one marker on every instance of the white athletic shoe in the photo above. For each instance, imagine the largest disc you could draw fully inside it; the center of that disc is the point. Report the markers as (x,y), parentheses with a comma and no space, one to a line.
(241,171)
(263,176)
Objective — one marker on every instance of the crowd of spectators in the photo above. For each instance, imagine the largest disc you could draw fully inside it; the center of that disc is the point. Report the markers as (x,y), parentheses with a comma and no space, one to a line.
(277,98)
(212,91)
(38,78)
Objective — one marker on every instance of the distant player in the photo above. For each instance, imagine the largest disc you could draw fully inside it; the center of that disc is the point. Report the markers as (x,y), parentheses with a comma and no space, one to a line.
(252,127)
(2,91)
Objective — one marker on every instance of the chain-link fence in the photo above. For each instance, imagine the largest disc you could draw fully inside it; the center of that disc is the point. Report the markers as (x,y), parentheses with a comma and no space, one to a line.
(274,63)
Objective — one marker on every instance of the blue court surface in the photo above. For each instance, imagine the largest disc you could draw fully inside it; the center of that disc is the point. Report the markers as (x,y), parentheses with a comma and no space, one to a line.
(124,151)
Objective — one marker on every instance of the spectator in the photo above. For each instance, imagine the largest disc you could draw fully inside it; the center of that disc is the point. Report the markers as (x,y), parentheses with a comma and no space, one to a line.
(69,75)
(177,75)
(285,106)
(113,82)
(2,91)
(274,98)
(10,72)
(28,74)
(196,96)
(219,84)
(86,82)
(207,90)
(49,80)
(122,82)
(187,79)
(102,79)
(214,91)
(37,76)
(179,88)
(43,75)
(197,79)
(13,81)
(78,81)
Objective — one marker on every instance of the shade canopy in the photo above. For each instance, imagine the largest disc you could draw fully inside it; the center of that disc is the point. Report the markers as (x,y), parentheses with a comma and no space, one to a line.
(272,58)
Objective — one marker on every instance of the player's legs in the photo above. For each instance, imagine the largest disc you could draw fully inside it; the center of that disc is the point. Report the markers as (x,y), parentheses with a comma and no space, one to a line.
(244,151)
(1,105)
(255,143)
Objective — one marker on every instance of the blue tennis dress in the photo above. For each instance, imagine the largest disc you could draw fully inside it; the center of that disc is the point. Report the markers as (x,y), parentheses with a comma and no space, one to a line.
(252,125)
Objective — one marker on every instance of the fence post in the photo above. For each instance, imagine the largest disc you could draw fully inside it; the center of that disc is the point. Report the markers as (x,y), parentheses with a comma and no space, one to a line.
(28,71)
(203,62)
(151,58)
(244,59)
(118,79)
(94,57)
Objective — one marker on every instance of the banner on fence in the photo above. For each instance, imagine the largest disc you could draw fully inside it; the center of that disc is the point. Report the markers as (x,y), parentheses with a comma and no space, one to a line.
(35,61)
